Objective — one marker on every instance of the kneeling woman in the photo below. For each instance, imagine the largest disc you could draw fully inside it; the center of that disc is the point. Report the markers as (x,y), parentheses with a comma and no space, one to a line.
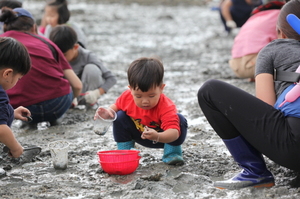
(251,126)
(46,89)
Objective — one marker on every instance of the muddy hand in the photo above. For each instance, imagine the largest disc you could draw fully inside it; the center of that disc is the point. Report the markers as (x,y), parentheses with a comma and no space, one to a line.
(145,132)
(104,113)
(29,119)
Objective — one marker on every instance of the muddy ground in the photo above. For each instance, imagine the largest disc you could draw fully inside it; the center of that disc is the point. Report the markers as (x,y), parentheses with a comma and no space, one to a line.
(188,37)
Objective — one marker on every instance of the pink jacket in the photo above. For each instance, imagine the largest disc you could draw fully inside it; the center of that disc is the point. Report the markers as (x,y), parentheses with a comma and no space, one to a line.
(258,31)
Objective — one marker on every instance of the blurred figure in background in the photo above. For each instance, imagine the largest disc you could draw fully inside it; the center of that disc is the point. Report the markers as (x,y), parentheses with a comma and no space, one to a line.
(257,32)
(57,13)
(10,4)
(95,77)
(234,13)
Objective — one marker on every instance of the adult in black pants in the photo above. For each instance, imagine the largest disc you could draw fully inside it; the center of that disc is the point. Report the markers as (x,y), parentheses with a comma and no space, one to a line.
(251,126)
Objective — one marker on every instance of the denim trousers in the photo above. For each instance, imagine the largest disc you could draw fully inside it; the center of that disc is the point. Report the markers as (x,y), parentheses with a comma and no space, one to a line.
(125,130)
(50,110)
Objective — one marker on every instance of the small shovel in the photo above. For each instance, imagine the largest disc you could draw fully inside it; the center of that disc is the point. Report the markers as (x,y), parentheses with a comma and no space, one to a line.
(29,119)
(38,149)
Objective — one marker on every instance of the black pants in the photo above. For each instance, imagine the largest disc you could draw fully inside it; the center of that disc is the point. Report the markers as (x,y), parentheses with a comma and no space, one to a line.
(233,112)
(239,20)
(125,130)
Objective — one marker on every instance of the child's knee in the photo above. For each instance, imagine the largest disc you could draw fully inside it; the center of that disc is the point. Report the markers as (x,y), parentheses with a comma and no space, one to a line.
(183,123)
(121,115)
(92,70)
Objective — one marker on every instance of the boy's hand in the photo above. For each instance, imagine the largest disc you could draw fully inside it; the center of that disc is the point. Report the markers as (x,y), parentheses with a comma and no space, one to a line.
(22,113)
(17,152)
(105,113)
(91,97)
(74,102)
(231,24)
(150,134)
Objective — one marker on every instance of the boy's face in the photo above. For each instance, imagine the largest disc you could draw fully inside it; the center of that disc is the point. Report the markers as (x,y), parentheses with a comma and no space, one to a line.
(147,100)
(71,54)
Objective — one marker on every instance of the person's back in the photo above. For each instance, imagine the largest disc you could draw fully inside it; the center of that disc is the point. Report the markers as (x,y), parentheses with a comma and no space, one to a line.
(44,76)
(241,8)
(257,32)
(46,89)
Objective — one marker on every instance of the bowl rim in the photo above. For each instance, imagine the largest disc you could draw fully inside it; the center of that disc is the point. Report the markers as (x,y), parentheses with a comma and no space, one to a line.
(120,152)
(121,162)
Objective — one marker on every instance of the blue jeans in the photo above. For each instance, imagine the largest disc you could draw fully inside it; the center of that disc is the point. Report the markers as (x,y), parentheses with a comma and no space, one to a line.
(50,110)
(125,130)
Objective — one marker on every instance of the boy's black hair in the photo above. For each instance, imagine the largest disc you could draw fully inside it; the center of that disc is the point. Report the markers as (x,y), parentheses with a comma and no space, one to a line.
(62,10)
(10,3)
(14,55)
(145,73)
(64,37)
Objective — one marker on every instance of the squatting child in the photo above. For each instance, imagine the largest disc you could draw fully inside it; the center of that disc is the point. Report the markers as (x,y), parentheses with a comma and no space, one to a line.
(95,77)
(146,116)
(14,63)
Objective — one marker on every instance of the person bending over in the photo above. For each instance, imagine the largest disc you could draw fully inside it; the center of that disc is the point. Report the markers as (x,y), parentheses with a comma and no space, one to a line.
(145,115)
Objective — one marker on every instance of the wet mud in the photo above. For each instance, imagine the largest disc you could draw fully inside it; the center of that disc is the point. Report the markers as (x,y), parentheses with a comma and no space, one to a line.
(189,38)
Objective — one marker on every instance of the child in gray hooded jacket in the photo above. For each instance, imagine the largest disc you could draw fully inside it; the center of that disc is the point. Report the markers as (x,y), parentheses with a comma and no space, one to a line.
(95,77)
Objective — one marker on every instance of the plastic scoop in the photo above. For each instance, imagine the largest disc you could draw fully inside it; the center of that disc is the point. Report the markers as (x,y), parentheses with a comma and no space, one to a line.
(292,95)
(6,149)
(294,22)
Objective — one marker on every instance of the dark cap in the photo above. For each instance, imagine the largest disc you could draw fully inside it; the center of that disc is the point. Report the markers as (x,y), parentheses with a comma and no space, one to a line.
(22,12)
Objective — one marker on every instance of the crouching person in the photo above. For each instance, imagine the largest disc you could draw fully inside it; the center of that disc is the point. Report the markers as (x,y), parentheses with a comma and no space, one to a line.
(146,116)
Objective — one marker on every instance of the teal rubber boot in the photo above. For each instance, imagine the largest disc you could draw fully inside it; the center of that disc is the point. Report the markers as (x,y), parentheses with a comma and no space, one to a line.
(125,145)
(172,155)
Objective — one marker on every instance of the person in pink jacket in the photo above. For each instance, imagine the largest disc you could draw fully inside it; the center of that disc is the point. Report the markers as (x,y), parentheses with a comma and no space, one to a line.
(258,31)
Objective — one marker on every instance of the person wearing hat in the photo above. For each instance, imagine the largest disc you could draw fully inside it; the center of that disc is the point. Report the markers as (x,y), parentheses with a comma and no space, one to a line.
(10,4)
(51,84)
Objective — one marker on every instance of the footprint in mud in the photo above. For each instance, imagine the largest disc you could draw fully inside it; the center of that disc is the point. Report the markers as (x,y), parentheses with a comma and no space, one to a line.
(155,177)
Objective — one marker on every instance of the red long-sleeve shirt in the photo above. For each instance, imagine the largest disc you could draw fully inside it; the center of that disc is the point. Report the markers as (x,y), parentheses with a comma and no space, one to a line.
(162,117)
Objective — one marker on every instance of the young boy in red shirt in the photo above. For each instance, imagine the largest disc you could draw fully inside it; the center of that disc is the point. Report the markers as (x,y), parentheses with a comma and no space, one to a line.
(146,116)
